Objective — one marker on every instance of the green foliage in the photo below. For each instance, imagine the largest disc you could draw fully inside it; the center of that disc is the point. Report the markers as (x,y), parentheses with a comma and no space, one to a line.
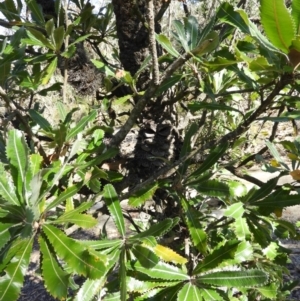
(53,176)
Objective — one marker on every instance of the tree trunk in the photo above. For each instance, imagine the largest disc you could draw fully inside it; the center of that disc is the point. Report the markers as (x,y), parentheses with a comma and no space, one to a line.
(156,142)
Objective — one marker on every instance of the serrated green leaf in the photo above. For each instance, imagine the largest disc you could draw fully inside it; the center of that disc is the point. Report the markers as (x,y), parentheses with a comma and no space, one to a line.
(113,204)
(241,228)
(35,163)
(244,252)
(157,229)
(296,15)
(189,292)
(36,38)
(75,255)
(102,244)
(277,23)
(276,154)
(69,192)
(89,289)
(168,83)
(211,159)
(217,256)
(195,106)
(273,202)
(211,295)
(55,278)
(198,235)
(17,153)
(7,189)
(230,279)
(59,35)
(49,71)
(271,251)
(12,280)
(186,147)
(82,220)
(264,190)
(270,291)
(35,10)
(192,31)
(161,271)
(81,125)
(235,211)
(166,44)
(4,233)
(40,120)
(180,35)
(212,188)
(168,255)
(143,195)
(146,257)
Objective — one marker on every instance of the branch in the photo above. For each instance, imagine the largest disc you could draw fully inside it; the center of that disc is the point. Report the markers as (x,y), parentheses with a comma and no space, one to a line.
(230,137)
(27,128)
(152,42)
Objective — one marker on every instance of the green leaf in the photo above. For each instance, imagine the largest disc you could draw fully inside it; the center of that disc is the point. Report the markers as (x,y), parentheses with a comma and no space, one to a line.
(271,251)
(17,153)
(168,83)
(81,125)
(211,295)
(269,291)
(35,10)
(161,271)
(157,229)
(192,31)
(82,220)
(212,188)
(198,235)
(189,292)
(143,195)
(59,35)
(89,289)
(102,244)
(277,23)
(55,278)
(7,189)
(180,35)
(212,158)
(36,38)
(235,211)
(69,192)
(296,15)
(14,272)
(264,190)
(113,204)
(49,71)
(166,44)
(186,147)
(244,252)
(274,202)
(195,106)
(145,256)
(5,235)
(276,154)
(40,120)
(231,279)
(241,228)
(122,275)
(75,255)
(218,256)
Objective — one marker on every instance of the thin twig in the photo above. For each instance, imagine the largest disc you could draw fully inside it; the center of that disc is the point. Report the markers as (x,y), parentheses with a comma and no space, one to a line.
(66,60)
(27,128)
(152,42)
